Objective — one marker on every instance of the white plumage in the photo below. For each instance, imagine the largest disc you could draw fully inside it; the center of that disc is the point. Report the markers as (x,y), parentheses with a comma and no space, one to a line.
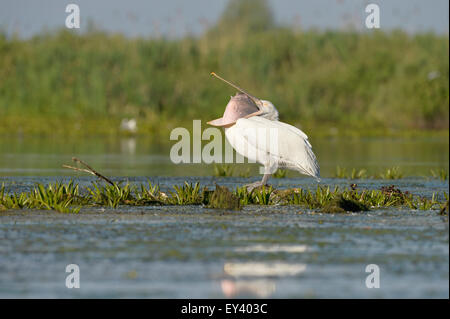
(273,144)
(253,130)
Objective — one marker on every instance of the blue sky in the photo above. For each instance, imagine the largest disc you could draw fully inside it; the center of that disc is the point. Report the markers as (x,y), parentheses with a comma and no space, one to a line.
(178,17)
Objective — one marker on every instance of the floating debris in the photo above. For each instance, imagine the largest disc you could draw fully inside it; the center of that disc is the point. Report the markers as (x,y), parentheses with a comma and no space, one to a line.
(342,205)
(223,198)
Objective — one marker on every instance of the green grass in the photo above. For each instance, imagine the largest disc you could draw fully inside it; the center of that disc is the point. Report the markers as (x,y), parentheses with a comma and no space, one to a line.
(223,198)
(388,174)
(223,170)
(69,198)
(57,196)
(324,81)
(229,170)
(441,174)
(110,195)
(280,173)
(391,173)
(187,194)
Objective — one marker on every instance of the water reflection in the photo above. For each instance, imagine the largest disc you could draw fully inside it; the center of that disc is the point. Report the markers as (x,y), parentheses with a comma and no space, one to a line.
(253,269)
(257,288)
(273,248)
(143,156)
(128,145)
(258,279)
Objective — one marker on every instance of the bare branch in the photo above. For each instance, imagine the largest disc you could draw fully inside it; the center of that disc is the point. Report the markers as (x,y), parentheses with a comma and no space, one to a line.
(88,169)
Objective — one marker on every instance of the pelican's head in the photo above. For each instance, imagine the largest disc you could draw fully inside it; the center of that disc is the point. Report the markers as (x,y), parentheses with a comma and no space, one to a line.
(269,110)
(244,105)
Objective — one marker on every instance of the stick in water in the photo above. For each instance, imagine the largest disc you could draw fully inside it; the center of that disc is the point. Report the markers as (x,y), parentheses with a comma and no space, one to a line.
(88,169)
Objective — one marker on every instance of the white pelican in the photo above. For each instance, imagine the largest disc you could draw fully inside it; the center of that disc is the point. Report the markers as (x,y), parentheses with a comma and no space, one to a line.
(253,130)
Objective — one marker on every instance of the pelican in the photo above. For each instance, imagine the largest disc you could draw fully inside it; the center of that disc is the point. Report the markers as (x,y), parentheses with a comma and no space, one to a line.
(249,123)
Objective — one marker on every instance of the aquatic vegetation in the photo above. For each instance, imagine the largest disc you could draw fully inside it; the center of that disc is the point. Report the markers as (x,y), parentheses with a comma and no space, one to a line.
(245,173)
(223,170)
(316,65)
(358,174)
(279,173)
(150,195)
(223,198)
(342,205)
(391,173)
(441,174)
(340,172)
(355,173)
(443,207)
(229,170)
(187,194)
(13,201)
(244,196)
(111,195)
(298,196)
(261,195)
(70,198)
(56,196)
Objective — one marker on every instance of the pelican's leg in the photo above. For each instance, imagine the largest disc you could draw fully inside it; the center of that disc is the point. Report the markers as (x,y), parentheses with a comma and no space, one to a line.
(254,185)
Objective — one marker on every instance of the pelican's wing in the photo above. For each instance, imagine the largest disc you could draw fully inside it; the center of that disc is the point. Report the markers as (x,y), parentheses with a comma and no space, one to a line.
(293,148)
(290,127)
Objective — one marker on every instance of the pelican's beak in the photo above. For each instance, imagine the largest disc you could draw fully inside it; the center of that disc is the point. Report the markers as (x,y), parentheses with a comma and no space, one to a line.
(239,106)
(256,100)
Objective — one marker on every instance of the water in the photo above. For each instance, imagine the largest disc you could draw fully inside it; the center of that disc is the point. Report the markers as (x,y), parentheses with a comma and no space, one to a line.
(195,252)
(37,156)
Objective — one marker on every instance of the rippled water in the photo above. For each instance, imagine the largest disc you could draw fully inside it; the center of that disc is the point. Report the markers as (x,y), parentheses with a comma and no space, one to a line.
(195,252)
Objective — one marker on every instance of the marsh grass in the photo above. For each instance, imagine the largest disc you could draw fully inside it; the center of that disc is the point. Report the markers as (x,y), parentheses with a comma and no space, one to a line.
(329,75)
(228,170)
(358,174)
(223,170)
(340,172)
(280,173)
(443,207)
(149,195)
(223,198)
(391,173)
(111,195)
(441,174)
(69,198)
(187,194)
(57,196)
(342,205)
(13,201)
(262,195)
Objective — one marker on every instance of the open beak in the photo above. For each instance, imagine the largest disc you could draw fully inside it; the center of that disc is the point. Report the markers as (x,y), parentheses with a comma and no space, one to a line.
(242,105)
(256,100)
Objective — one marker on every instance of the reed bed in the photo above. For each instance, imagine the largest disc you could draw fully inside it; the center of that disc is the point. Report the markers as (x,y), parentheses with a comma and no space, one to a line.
(70,197)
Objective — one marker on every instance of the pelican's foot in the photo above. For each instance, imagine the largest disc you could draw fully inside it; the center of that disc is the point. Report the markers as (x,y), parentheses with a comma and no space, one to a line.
(252,186)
